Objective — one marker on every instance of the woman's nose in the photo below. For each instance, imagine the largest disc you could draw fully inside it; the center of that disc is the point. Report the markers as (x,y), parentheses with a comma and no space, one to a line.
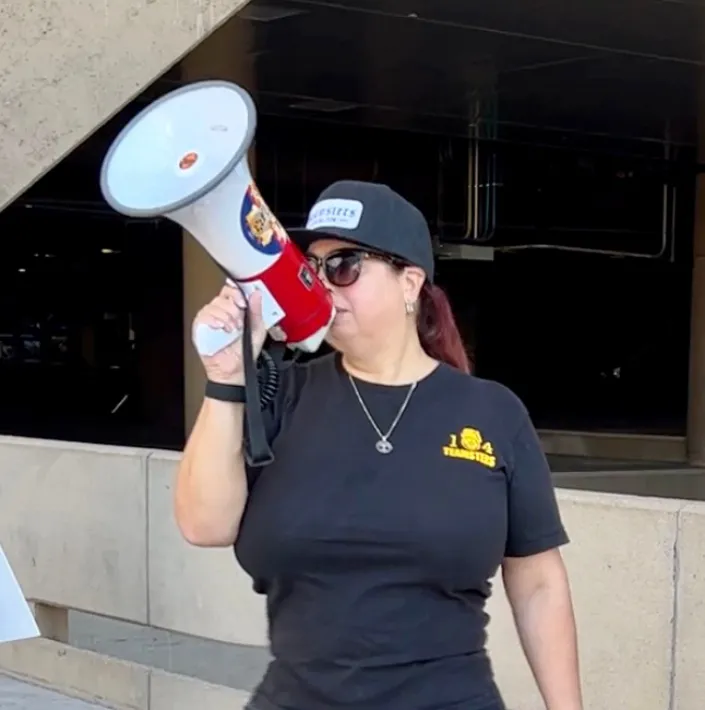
(324,280)
(321,273)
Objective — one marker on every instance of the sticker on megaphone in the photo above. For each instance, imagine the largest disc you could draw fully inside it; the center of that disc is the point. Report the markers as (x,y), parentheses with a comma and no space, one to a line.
(208,340)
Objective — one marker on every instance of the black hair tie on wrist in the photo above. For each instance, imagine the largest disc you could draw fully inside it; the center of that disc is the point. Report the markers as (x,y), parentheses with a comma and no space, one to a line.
(268,379)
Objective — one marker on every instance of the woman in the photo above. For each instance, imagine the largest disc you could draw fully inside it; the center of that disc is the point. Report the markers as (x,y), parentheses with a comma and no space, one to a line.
(401,483)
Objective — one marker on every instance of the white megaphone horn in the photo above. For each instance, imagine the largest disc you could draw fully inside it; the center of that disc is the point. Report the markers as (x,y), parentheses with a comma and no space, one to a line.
(184,157)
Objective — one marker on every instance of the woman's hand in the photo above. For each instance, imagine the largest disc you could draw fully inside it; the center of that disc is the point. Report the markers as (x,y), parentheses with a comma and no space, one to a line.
(227,311)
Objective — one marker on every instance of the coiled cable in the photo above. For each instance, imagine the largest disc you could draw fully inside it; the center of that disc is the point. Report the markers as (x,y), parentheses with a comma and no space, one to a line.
(268,378)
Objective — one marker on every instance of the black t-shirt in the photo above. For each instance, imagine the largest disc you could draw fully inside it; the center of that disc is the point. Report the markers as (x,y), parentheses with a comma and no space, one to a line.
(376,566)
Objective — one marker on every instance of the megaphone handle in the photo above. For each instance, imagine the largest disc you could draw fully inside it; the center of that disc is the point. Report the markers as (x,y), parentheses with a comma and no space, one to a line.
(209,341)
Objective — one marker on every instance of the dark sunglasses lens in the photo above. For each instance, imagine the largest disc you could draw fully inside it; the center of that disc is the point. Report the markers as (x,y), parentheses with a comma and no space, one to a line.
(343,269)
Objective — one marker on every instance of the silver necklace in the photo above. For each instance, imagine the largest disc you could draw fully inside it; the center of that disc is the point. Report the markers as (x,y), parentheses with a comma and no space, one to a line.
(384,446)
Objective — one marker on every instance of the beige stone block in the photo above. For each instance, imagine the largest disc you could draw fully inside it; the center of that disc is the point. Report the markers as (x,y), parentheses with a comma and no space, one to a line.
(690,632)
(52,621)
(74,523)
(621,564)
(197,591)
(178,692)
(81,674)
(66,67)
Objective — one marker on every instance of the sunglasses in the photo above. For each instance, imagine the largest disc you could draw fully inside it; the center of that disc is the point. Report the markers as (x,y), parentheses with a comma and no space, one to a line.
(342,267)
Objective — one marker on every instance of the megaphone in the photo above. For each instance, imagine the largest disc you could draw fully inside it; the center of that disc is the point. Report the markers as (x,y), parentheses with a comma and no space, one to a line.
(184,157)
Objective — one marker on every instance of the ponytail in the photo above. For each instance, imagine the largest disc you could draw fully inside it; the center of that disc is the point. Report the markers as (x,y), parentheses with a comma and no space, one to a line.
(438,332)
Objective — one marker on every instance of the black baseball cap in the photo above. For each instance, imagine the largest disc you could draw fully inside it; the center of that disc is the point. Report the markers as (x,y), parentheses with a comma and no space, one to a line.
(373,216)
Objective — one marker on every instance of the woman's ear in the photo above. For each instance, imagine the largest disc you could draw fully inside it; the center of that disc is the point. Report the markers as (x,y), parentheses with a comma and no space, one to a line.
(413,280)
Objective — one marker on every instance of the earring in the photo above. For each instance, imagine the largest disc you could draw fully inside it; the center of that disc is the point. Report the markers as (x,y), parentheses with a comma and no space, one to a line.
(410,307)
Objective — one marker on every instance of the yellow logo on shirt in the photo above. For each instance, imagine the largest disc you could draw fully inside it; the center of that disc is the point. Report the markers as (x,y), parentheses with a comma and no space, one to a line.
(468,445)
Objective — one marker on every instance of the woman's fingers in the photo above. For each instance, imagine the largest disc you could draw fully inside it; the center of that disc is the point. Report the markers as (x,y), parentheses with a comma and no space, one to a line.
(233,295)
(227,311)
(225,315)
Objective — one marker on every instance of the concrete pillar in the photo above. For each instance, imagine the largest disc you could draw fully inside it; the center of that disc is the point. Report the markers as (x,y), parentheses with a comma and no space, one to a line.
(695,435)
(226,54)
(696,380)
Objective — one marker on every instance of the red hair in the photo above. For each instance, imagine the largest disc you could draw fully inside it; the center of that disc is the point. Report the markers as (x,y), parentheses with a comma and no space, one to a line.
(438,331)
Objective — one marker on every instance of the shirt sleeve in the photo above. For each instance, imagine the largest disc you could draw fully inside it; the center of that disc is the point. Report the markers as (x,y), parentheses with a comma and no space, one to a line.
(535,523)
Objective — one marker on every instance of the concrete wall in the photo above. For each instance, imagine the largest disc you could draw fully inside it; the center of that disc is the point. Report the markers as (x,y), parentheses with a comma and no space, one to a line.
(91,528)
(66,67)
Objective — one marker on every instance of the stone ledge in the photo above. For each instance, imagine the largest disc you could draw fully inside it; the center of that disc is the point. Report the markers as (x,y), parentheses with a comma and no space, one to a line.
(111,682)
(79,674)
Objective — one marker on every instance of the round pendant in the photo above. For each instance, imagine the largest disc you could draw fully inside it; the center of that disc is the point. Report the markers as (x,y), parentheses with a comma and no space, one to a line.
(383,446)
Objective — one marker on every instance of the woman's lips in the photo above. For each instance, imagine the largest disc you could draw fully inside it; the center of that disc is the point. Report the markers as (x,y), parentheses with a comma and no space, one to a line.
(338,313)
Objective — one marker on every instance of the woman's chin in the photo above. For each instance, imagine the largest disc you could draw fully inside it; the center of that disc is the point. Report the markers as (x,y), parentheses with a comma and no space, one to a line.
(340,330)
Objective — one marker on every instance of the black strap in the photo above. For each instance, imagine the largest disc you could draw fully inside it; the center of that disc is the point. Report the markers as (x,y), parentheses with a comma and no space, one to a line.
(257,449)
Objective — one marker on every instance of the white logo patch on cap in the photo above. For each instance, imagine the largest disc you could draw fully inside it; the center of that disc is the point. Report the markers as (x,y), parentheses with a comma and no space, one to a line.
(344,214)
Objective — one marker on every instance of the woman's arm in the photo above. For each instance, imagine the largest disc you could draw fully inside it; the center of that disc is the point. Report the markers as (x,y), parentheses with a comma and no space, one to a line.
(211,484)
(539,594)
(534,574)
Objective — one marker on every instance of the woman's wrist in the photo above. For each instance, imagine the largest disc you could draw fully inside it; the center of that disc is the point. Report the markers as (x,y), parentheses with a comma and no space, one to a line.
(236,380)
(228,392)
